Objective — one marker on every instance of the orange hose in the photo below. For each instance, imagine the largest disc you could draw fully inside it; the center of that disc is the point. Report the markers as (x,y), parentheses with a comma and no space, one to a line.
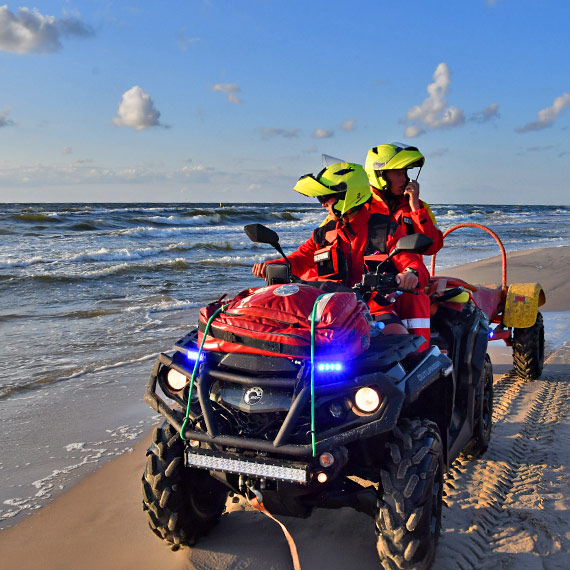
(497,239)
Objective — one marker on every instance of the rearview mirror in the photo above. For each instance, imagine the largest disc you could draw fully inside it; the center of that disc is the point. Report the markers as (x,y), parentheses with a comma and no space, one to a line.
(261,234)
(417,243)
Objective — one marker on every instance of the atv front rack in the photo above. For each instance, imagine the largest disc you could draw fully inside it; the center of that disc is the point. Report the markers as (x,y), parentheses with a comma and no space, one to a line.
(368,373)
(383,419)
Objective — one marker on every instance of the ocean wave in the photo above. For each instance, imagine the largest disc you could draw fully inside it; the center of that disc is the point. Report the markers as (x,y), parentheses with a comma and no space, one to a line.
(76,372)
(233,260)
(84,227)
(104,254)
(35,217)
(208,218)
(12,263)
(178,264)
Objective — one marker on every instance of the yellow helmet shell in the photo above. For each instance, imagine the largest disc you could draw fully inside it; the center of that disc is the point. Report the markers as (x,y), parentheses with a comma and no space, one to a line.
(346,179)
(390,157)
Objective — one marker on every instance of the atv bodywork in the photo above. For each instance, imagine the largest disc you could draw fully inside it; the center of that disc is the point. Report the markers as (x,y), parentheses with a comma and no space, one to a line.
(375,433)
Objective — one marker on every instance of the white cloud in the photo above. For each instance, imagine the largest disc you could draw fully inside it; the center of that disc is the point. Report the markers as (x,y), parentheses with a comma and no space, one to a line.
(348,125)
(85,172)
(4,120)
(413,131)
(487,114)
(230,89)
(136,110)
(547,116)
(434,112)
(278,132)
(322,134)
(29,31)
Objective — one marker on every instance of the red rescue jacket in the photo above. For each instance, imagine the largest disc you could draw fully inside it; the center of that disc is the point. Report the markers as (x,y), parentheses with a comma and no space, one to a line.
(421,221)
(369,232)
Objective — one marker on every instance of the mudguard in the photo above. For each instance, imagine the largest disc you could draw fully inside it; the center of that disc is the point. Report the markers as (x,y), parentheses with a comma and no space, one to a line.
(521,305)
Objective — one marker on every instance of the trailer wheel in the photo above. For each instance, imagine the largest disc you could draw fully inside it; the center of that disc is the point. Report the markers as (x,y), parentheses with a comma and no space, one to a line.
(408,519)
(528,350)
(182,504)
(483,415)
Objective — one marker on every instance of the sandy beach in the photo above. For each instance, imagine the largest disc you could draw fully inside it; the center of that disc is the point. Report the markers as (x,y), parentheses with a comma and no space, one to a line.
(510,509)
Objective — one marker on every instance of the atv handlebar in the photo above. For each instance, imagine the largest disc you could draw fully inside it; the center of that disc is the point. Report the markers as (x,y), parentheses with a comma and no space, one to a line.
(384,283)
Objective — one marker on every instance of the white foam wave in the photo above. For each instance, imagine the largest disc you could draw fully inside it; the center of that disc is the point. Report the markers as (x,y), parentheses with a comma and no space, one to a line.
(105,254)
(184,221)
(12,263)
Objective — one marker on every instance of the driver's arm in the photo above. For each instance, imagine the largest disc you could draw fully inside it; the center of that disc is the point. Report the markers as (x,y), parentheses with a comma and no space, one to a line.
(302,259)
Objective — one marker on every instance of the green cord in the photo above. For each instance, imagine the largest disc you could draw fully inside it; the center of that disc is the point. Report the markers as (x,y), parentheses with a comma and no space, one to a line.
(312,319)
(219,310)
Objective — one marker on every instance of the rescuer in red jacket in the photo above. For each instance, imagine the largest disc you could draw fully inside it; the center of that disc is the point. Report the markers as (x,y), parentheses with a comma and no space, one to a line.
(395,194)
(337,249)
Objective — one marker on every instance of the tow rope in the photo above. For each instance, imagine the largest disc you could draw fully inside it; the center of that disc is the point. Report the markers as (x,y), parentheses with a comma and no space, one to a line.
(257,503)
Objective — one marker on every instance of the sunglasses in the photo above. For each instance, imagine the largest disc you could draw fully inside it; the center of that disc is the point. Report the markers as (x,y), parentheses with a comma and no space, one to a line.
(327,197)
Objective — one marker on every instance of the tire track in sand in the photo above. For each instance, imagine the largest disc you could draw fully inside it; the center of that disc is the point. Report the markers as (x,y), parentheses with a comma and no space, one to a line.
(477,527)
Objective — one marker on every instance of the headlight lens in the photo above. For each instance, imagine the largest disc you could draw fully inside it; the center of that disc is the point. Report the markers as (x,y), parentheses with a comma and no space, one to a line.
(175,380)
(367,400)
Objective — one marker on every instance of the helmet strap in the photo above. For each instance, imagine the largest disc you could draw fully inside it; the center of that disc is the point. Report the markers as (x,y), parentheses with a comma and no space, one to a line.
(337,212)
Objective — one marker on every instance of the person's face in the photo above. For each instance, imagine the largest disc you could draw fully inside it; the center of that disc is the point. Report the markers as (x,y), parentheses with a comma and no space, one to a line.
(328,206)
(398,180)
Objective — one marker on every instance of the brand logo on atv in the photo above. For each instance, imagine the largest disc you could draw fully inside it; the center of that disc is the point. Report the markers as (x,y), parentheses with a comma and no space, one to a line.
(286,290)
(253,396)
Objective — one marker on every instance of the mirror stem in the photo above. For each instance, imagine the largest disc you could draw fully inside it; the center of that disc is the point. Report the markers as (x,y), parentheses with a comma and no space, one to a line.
(278,248)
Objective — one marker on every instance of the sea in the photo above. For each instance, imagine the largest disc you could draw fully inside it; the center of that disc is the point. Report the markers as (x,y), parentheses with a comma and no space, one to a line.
(91,293)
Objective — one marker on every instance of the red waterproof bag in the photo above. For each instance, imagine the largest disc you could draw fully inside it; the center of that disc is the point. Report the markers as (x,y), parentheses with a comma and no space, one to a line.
(275,320)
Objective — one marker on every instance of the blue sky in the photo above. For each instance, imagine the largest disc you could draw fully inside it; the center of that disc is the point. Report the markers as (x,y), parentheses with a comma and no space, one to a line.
(232,101)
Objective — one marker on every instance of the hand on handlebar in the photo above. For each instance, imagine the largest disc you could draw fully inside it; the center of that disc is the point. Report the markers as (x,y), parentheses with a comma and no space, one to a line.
(407,281)
(258,269)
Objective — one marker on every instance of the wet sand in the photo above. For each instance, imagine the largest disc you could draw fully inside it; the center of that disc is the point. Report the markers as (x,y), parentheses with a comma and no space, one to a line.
(509,509)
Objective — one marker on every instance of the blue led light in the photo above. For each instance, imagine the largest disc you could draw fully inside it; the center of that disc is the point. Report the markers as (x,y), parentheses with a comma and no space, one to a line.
(193,355)
(330,367)
(491,334)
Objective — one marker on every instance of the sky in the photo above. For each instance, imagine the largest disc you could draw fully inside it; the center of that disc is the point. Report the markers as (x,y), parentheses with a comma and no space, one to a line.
(232,101)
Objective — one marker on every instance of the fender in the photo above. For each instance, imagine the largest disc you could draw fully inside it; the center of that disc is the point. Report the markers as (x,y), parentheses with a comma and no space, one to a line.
(521,305)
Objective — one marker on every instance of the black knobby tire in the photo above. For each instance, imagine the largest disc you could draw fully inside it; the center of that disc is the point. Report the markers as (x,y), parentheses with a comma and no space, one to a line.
(182,504)
(408,520)
(528,350)
(483,414)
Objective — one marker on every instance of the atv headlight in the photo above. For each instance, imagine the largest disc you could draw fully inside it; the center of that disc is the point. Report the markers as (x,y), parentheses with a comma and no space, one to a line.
(367,400)
(175,380)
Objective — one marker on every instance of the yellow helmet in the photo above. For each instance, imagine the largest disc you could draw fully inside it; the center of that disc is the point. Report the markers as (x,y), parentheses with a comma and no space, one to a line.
(390,157)
(346,181)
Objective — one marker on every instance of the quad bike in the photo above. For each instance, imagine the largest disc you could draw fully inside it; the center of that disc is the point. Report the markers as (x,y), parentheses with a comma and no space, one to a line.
(512,309)
(357,420)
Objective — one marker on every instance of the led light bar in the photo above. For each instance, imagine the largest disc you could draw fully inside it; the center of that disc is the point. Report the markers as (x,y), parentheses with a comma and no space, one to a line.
(330,367)
(259,469)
